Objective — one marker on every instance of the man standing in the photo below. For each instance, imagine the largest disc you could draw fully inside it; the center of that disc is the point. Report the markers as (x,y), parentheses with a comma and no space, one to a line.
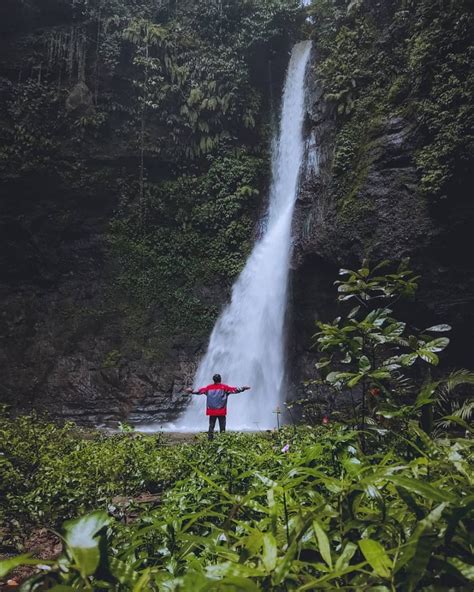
(216,408)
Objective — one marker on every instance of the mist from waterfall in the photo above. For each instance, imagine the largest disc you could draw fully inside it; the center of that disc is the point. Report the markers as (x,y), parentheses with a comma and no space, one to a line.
(247,343)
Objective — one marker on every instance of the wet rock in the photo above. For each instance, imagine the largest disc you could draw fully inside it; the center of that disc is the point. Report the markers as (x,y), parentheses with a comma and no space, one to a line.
(79,99)
(385,217)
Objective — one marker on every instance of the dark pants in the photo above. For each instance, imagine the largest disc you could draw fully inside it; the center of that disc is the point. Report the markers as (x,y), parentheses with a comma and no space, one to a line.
(212,424)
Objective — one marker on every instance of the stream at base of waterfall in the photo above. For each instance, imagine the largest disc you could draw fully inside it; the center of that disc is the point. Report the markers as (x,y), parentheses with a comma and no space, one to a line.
(247,344)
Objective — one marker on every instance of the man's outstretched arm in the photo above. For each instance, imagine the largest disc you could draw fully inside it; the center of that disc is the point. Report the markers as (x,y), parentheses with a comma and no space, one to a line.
(201,391)
(236,389)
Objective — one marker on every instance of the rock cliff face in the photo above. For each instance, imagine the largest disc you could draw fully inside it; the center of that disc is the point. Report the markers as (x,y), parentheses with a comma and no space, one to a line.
(62,350)
(384,216)
(132,152)
(101,223)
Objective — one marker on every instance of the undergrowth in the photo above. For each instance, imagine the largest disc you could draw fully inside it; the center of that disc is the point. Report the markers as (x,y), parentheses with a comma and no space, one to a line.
(297,509)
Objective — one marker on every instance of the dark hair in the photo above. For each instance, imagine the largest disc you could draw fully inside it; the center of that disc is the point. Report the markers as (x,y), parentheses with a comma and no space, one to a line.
(216,378)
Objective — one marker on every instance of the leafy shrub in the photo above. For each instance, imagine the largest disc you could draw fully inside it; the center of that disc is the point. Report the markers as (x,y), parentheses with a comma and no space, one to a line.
(51,473)
(250,513)
(408,59)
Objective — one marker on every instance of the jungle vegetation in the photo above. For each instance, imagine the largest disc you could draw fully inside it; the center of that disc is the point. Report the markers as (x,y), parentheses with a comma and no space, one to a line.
(179,93)
(380,497)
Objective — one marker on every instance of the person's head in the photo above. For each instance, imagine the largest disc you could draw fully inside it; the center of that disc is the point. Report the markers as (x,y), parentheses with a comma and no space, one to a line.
(216,378)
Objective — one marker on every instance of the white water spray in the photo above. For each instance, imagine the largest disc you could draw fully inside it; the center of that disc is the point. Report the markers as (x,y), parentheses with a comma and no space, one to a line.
(247,342)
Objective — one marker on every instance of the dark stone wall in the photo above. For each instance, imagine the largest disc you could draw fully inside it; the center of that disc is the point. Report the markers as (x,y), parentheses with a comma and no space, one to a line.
(62,349)
(72,343)
(385,217)
(65,349)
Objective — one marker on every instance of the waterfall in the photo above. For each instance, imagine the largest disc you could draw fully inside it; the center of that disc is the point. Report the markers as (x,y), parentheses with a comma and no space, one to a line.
(247,343)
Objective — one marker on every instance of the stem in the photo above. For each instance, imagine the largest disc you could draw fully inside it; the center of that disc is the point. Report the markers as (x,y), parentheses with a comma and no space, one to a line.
(426,420)
(285,508)
(362,436)
(354,407)
(292,420)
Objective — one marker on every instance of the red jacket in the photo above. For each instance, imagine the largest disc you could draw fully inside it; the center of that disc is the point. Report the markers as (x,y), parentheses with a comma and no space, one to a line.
(217,395)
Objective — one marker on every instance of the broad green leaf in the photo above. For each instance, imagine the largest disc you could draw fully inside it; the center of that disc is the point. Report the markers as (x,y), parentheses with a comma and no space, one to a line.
(380,374)
(345,557)
(323,543)
(416,567)
(253,542)
(422,488)
(364,364)
(335,377)
(437,345)
(355,380)
(343,271)
(466,569)
(376,556)
(124,572)
(416,551)
(345,288)
(7,565)
(428,356)
(270,551)
(233,569)
(81,538)
(236,583)
(407,359)
(353,312)
(425,395)
(439,328)
(394,329)
(143,583)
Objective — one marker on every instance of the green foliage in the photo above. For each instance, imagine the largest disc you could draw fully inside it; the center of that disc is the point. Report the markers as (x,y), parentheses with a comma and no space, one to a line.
(198,231)
(172,124)
(34,135)
(176,82)
(291,510)
(112,359)
(409,59)
(82,542)
(379,350)
(50,472)
(454,399)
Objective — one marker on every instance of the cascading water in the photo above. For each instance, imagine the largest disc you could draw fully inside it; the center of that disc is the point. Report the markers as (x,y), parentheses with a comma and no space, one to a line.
(247,343)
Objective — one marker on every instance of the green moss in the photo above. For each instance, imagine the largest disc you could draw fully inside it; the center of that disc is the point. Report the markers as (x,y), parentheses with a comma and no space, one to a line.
(197,235)
(112,359)
(410,59)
